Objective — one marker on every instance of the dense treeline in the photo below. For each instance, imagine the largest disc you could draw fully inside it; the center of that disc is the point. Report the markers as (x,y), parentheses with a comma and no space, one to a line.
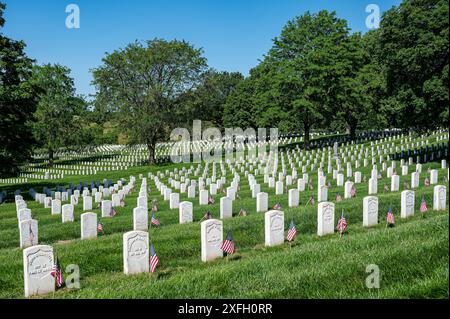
(317,75)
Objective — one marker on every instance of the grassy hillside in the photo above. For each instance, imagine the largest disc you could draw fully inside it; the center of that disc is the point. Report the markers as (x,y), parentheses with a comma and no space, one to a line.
(412,257)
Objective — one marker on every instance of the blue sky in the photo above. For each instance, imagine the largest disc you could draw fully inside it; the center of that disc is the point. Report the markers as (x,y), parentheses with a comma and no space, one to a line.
(234,34)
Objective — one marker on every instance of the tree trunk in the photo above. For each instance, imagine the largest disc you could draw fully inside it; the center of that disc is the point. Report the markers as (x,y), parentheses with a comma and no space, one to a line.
(151,153)
(306,141)
(353,131)
(50,157)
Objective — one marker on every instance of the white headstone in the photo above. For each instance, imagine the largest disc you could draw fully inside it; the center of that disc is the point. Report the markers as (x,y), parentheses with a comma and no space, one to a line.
(88,225)
(56,206)
(262,202)
(174,200)
(185,210)
(28,232)
(407,204)
(274,227)
(325,218)
(67,213)
(370,211)
(135,252)
(211,239)
(439,197)
(37,264)
(226,207)
(140,219)
(87,203)
(293,200)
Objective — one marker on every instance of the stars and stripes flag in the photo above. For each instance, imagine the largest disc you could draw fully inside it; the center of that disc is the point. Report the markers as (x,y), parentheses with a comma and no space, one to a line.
(342,224)
(338,197)
(31,234)
(56,272)
(353,191)
(239,186)
(154,260)
(210,200)
(390,218)
(329,184)
(100,227)
(207,215)
(242,212)
(277,206)
(386,187)
(406,185)
(228,244)
(154,206)
(122,203)
(292,231)
(423,205)
(312,200)
(427,182)
(155,221)
(112,212)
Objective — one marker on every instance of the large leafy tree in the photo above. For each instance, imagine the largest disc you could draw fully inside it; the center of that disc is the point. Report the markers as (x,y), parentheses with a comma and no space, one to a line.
(210,97)
(303,69)
(17,103)
(238,108)
(414,48)
(144,83)
(58,117)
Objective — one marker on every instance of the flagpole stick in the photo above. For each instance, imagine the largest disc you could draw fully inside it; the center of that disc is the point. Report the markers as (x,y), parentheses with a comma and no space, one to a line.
(308,202)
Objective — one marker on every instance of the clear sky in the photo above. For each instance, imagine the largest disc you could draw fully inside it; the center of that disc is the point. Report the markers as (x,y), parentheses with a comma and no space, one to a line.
(234,34)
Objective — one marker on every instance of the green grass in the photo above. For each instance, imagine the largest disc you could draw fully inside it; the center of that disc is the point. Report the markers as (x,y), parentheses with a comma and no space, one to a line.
(412,257)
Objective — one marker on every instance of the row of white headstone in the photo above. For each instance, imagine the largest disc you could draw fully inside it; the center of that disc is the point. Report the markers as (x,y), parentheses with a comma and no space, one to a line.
(38,260)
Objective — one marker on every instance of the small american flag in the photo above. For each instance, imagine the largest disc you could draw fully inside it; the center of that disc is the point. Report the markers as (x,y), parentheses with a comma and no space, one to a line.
(329,184)
(238,186)
(207,215)
(338,197)
(312,200)
(154,206)
(155,221)
(311,187)
(100,227)
(242,212)
(122,203)
(292,231)
(386,188)
(277,206)
(423,205)
(342,224)
(56,272)
(390,218)
(406,185)
(31,234)
(210,200)
(154,260)
(112,212)
(353,191)
(228,244)
(427,182)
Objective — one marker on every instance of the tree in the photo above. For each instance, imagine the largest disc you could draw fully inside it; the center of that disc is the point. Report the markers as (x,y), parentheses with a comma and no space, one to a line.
(57,120)
(415,52)
(238,108)
(17,103)
(210,97)
(303,69)
(143,82)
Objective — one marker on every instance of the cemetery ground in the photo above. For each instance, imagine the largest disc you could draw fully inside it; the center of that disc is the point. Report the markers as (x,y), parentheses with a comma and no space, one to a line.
(412,256)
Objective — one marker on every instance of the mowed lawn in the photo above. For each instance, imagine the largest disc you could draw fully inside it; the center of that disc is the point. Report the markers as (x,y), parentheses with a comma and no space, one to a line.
(412,257)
